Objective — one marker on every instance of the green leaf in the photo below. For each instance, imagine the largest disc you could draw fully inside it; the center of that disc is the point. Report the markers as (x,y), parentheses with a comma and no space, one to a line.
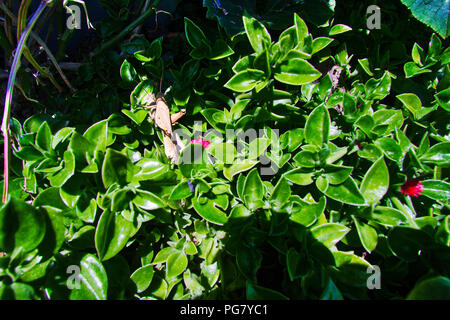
(98,135)
(93,280)
(280,194)
(378,88)
(339,28)
(437,288)
(117,168)
(245,80)
(438,154)
(364,63)
(195,35)
(301,29)
(44,137)
(181,191)
(320,43)
(147,200)
(411,102)
(176,264)
(62,176)
(346,192)
(308,214)
(389,216)
(150,169)
(390,148)
(257,147)
(224,152)
(443,98)
(367,234)
(337,174)
(142,277)
(329,233)
(300,176)
(207,210)
(433,13)
(317,128)
(253,190)
(22,227)
(416,54)
(411,70)
(436,189)
(239,166)
(257,34)
(376,182)
(112,234)
(296,72)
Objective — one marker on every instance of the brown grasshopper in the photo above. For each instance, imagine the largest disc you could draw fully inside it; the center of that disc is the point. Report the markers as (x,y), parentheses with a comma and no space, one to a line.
(160,113)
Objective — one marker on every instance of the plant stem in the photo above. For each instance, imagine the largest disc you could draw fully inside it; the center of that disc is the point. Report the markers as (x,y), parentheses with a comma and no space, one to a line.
(9,94)
(128,29)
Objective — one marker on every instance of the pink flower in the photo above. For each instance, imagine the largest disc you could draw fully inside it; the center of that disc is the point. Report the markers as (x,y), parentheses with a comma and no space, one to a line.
(204,143)
(412,187)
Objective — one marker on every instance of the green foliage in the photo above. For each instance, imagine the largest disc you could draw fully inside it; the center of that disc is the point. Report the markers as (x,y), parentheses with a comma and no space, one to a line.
(297,195)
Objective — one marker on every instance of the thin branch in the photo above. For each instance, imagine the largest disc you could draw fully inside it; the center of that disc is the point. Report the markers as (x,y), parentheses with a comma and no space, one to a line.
(43,45)
(9,95)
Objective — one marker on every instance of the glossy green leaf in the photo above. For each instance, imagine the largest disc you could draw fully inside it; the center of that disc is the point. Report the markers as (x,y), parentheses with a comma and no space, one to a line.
(112,234)
(176,264)
(280,194)
(317,128)
(257,34)
(22,227)
(257,147)
(296,72)
(300,176)
(346,192)
(308,214)
(245,80)
(339,28)
(438,154)
(253,190)
(195,35)
(117,168)
(411,102)
(329,233)
(376,182)
(207,210)
(436,189)
(239,166)
(337,174)
(142,277)
(93,280)
(44,137)
(432,13)
(367,234)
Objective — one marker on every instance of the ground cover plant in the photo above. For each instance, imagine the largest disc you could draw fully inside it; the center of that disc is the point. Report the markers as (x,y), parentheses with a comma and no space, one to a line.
(305,156)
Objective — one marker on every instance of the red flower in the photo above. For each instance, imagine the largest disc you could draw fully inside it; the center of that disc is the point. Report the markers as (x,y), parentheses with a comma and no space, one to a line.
(412,187)
(204,143)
